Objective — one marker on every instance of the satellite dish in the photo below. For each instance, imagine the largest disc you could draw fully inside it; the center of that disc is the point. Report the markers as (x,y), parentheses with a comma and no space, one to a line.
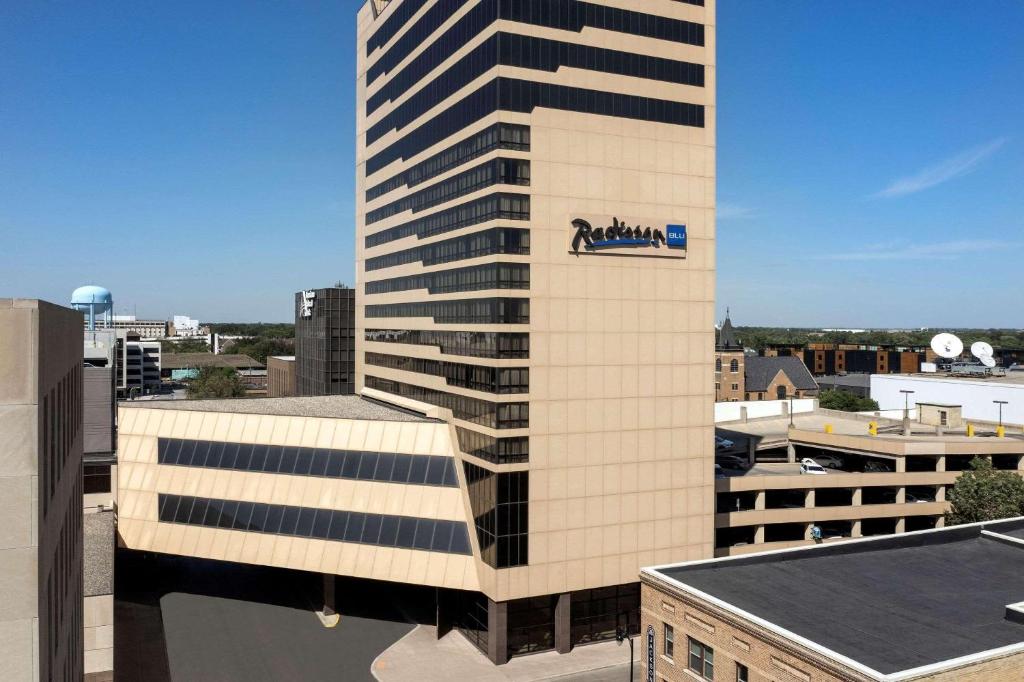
(947,345)
(988,361)
(981,350)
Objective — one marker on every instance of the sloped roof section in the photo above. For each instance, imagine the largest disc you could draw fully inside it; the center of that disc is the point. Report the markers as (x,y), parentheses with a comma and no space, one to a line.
(759,372)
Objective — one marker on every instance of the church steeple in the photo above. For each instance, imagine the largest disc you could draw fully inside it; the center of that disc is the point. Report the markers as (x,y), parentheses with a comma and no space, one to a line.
(727,336)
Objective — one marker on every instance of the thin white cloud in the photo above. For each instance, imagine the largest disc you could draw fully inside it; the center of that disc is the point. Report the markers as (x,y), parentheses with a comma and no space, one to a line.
(928,251)
(726,211)
(953,167)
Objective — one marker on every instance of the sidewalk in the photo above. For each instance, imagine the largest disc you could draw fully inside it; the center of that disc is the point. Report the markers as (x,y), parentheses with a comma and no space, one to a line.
(422,657)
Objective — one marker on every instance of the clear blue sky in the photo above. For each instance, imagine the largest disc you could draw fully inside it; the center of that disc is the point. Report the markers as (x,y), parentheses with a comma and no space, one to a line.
(197,157)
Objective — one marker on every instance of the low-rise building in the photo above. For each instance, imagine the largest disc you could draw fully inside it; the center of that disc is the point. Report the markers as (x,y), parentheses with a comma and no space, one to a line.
(941,605)
(280,376)
(183,366)
(874,484)
(145,329)
(777,379)
(982,398)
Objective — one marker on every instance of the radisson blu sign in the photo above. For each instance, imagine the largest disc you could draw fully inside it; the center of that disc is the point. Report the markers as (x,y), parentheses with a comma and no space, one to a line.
(644,238)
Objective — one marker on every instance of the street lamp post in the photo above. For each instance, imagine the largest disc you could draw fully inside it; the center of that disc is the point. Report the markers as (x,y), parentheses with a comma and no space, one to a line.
(621,633)
(906,411)
(1000,403)
(791,396)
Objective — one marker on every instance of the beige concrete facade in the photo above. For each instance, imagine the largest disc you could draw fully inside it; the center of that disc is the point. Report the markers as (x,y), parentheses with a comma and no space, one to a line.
(621,347)
(280,376)
(41,625)
(142,479)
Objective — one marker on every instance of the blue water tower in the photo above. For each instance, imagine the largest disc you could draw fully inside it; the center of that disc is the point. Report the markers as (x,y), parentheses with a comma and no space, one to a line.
(94,301)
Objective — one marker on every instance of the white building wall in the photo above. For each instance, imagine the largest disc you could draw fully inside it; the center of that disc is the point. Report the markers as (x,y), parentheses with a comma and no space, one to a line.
(758,409)
(974,396)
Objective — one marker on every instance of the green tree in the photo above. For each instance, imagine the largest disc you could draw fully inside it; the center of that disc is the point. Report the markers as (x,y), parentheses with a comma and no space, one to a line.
(846,402)
(985,494)
(188,345)
(258,349)
(216,382)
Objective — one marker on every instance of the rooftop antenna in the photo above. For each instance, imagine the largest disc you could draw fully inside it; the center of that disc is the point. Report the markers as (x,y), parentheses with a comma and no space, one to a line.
(947,345)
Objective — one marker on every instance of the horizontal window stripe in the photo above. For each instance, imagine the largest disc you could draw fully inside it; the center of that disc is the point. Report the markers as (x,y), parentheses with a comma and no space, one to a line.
(382,530)
(509,94)
(497,136)
(497,345)
(474,377)
(496,240)
(484,412)
(393,24)
(489,173)
(501,206)
(569,15)
(459,311)
(473,278)
(514,450)
(389,467)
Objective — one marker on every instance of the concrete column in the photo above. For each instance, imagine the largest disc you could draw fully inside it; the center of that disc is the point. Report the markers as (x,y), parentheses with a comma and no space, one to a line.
(940,463)
(759,535)
(940,522)
(563,623)
(855,531)
(858,497)
(752,450)
(759,500)
(901,495)
(807,532)
(743,414)
(328,613)
(790,453)
(901,464)
(901,525)
(809,498)
(497,631)
(940,493)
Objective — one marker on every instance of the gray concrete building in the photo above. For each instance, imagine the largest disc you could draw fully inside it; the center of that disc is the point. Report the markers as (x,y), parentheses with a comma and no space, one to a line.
(325,341)
(41,439)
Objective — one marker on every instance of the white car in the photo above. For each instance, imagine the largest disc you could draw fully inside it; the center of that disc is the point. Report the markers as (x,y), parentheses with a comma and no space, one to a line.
(809,466)
(723,443)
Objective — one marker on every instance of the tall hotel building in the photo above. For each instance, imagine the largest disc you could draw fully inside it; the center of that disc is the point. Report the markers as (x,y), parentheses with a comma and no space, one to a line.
(535,253)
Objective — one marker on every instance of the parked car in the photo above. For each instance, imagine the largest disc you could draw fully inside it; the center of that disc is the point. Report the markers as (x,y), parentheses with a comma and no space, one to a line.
(723,443)
(876,467)
(732,462)
(718,472)
(809,466)
(911,497)
(830,461)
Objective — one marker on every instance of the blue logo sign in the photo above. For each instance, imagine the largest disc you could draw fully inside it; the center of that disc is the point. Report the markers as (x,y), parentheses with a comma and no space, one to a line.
(620,235)
(650,653)
(676,236)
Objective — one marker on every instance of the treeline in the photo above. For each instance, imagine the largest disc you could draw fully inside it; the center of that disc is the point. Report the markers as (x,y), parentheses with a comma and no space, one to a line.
(264,330)
(761,337)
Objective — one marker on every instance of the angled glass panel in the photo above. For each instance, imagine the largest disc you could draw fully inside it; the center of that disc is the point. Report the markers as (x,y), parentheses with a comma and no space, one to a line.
(435,469)
(338,524)
(227,514)
(242,516)
(244,457)
(168,507)
(275,513)
(184,510)
(212,518)
(371,531)
(273,460)
(401,471)
(258,458)
(289,520)
(460,540)
(351,466)
(288,457)
(202,449)
(388,531)
(303,461)
(186,452)
(216,455)
(198,511)
(442,536)
(305,523)
(230,455)
(354,531)
(335,461)
(322,524)
(170,449)
(406,531)
(424,534)
(367,466)
(385,465)
(321,458)
(450,477)
(418,471)
(258,522)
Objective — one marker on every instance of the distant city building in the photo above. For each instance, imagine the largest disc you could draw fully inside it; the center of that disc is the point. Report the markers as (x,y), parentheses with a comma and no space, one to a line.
(281,376)
(857,384)
(832,358)
(185,326)
(977,396)
(144,329)
(730,364)
(141,368)
(938,606)
(325,341)
(41,555)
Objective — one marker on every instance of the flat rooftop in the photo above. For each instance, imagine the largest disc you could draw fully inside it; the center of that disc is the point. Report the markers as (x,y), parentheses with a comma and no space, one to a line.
(98,553)
(197,360)
(891,604)
(331,406)
(1015,378)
